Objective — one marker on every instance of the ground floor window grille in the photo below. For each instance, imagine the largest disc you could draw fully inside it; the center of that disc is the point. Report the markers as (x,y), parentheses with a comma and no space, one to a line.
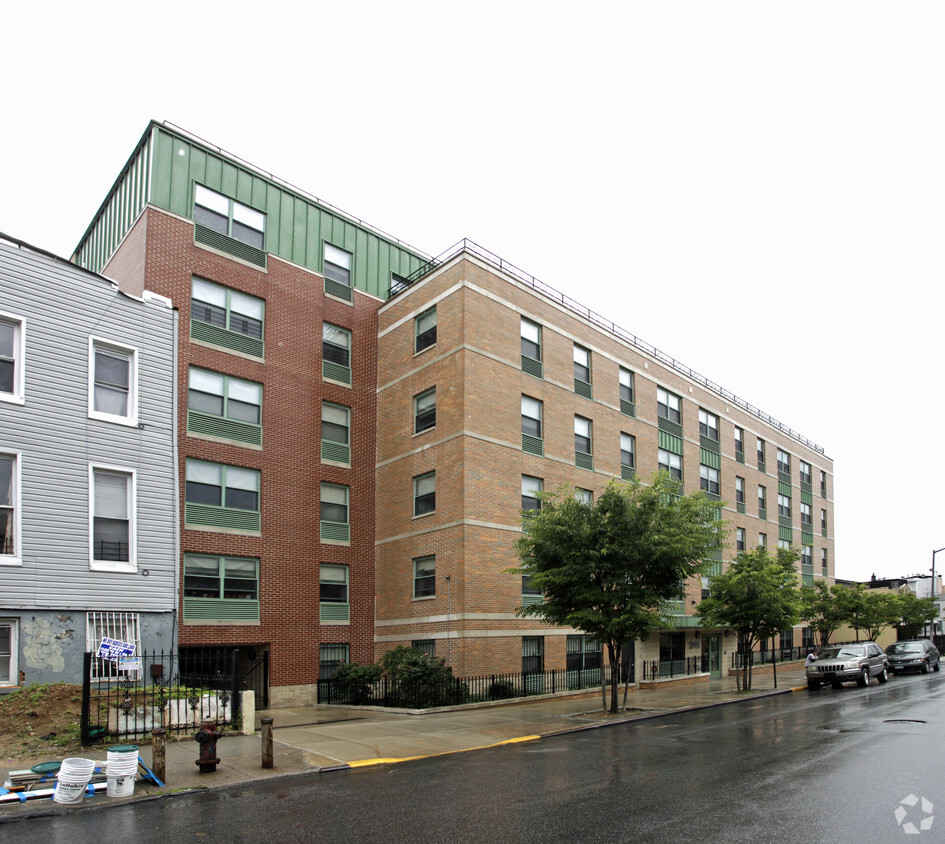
(123,626)
(329,658)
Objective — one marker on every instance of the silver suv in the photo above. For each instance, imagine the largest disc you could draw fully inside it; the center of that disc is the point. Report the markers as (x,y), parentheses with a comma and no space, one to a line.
(840,664)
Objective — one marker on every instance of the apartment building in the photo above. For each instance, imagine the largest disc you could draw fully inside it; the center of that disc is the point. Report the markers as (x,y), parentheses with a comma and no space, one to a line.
(493,387)
(276,381)
(88,533)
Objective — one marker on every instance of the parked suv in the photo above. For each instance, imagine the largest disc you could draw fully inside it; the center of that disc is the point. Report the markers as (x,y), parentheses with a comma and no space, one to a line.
(913,655)
(840,664)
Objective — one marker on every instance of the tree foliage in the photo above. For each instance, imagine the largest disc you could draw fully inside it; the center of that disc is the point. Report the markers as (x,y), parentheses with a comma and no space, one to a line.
(608,568)
(915,614)
(757,597)
(821,610)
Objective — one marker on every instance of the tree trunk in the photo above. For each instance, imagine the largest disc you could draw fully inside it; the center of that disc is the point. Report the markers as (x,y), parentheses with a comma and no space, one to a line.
(613,653)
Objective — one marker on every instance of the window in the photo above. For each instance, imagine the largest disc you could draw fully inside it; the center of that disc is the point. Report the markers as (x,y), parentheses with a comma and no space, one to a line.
(762,540)
(227,318)
(762,502)
(761,455)
(668,406)
(336,353)
(709,479)
(425,330)
(785,544)
(582,372)
(219,588)
(224,406)
(784,462)
(113,380)
(627,401)
(424,494)
(823,560)
(113,523)
(531,488)
(740,492)
(333,513)
(582,443)
(333,594)
(227,216)
(805,473)
(531,348)
(123,626)
(784,506)
(807,515)
(823,484)
(330,657)
(585,496)
(708,425)
(425,646)
(628,456)
(582,653)
(11,358)
(337,272)
(9,508)
(9,650)
(669,462)
(424,411)
(531,426)
(220,496)
(336,433)
(823,520)
(740,443)
(531,594)
(739,539)
(533,654)
(807,557)
(672,654)
(424,577)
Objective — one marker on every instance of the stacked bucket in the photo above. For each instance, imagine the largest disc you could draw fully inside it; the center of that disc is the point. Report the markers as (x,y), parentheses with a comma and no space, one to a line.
(121,770)
(73,779)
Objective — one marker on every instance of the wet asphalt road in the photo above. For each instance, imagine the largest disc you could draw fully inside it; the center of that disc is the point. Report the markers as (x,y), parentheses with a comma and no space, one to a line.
(827,766)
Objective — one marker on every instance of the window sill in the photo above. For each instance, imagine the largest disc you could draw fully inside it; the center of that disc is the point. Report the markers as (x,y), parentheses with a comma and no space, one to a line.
(348,302)
(127,421)
(424,431)
(121,568)
(423,598)
(10,561)
(423,515)
(334,623)
(427,349)
(337,463)
(346,543)
(334,381)
(12,398)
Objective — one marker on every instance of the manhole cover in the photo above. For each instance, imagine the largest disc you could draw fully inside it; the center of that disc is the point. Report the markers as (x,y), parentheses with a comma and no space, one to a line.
(903,721)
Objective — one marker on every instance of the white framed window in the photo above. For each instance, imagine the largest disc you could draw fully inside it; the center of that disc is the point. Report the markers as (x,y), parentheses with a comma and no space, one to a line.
(112,516)
(424,494)
(424,577)
(12,357)
(708,425)
(229,217)
(669,462)
(668,406)
(122,626)
(709,479)
(531,489)
(9,648)
(113,382)
(337,265)
(10,553)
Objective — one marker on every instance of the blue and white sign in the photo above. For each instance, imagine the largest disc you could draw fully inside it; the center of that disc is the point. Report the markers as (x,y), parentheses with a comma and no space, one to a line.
(115,649)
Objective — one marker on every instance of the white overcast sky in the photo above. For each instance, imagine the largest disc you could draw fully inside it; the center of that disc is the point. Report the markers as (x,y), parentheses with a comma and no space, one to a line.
(755,188)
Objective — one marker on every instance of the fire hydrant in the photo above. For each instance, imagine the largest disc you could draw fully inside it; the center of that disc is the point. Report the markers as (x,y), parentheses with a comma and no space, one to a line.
(207,739)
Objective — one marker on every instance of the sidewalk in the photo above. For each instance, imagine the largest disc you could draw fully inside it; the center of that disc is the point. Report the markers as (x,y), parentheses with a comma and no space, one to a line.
(319,739)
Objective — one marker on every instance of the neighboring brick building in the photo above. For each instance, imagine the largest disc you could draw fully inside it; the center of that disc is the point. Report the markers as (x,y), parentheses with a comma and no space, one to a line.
(410,428)
(278,296)
(520,389)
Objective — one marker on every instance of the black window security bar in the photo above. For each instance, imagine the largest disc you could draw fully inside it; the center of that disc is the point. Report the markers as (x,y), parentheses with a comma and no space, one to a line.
(472,248)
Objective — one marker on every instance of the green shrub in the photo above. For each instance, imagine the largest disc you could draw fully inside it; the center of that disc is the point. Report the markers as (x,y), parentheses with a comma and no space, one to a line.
(356,681)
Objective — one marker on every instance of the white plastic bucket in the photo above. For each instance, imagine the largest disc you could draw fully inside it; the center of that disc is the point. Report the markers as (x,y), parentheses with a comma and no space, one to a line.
(120,786)
(70,792)
(76,768)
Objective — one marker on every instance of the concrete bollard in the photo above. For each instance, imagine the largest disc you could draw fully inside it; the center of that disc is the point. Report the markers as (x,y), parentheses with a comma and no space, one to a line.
(266,724)
(158,756)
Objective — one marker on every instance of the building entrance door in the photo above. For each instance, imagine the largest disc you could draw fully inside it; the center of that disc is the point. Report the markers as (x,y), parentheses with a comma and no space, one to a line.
(712,654)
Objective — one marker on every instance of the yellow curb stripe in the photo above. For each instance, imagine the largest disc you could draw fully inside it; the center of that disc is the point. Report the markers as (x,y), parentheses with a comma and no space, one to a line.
(364,763)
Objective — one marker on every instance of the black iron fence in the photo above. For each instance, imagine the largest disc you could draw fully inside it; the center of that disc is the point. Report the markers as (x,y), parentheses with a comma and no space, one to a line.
(769,657)
(657,669)
(128,698)
(455,691)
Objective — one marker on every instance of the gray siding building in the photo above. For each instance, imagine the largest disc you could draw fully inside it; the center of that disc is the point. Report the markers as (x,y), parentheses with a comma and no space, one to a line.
(88,481)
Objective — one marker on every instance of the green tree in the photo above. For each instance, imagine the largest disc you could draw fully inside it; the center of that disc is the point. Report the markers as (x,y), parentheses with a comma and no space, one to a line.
(915,614)
(851,601)
(608,568)
(819,608)
(757,597)
(880,610)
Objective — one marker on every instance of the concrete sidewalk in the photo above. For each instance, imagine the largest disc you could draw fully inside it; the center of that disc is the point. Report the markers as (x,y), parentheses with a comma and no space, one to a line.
(319,739)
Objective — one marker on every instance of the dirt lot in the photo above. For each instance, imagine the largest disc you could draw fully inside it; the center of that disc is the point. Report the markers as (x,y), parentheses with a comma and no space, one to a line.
(40,722)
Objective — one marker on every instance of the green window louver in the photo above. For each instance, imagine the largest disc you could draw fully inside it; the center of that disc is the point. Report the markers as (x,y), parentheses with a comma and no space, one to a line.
(533,445)
(714,568)
(784,488)
(707,444)
(220,609)
(583,460)
(710,458)
(670,427)
(229,429)
(531,600)
(335,531)
(338,290)
(533,367)
(232,340)
(807,498)
(225,243)
(331,611)
(670,442)
(785,533)
(336,452)
(807,579)
(627,473)
(336,372)
(740,507)
(627,408)
(583,388)
(807,538)
(740,457)
(207,515)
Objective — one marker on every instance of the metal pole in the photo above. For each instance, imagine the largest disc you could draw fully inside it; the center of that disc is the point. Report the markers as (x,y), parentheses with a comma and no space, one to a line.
(266,742)
(448,661)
